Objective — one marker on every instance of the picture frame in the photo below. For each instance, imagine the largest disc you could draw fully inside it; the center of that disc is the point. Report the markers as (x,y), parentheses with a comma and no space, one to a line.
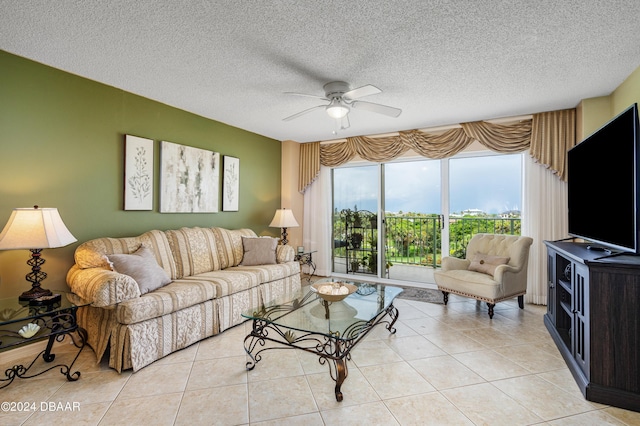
(138,173)
(231,184)
(189,179)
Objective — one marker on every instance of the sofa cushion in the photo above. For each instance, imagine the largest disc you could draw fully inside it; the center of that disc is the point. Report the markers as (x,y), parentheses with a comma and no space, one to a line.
(189,291)
(194,250)
(269,273)
(177,295)
(93,253)
(259,251)
(142,267)
(487,264)
(229,243)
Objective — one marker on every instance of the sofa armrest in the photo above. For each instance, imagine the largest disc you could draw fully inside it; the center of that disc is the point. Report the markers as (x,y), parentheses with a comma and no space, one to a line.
(285,254)
(102,287)
(454,263)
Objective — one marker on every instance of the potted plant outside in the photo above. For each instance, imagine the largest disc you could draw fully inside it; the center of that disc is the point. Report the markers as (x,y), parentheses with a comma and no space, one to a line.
(355,265)
(356,240)
(357,220)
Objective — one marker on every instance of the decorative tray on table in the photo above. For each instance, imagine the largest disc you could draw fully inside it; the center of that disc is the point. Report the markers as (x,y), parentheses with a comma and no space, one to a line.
(333,291)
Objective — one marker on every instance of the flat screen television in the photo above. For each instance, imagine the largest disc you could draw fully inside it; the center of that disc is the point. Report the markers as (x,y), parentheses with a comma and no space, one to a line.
(603,182)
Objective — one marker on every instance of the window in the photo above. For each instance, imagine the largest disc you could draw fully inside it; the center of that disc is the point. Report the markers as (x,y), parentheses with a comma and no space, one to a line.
(426,208)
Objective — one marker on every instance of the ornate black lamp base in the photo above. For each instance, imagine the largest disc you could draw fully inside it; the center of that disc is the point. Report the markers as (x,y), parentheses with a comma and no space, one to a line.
(284,237)
(34,293)
(34,277)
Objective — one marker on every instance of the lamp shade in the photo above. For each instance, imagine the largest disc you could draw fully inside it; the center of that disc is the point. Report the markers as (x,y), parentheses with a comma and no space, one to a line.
(35,228)
(283,219)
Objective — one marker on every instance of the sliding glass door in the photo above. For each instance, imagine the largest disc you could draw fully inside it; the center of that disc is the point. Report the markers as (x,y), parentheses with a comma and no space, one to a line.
(397,220)
(412,219)
(355,223)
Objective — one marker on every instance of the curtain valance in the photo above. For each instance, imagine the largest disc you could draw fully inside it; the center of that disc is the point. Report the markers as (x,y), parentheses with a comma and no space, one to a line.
(552,135)
(548,136)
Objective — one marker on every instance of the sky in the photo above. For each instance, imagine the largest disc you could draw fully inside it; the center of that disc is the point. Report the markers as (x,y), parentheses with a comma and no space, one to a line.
(490,183)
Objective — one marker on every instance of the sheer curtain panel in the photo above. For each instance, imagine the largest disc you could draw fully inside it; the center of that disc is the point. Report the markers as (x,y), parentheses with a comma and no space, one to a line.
(317,233)
(544,218)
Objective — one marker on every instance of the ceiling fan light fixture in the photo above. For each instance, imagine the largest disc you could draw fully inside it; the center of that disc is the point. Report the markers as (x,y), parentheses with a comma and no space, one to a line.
(337,109)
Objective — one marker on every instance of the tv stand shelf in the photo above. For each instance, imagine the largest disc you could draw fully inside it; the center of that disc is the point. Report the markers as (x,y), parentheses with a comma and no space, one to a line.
(593,316)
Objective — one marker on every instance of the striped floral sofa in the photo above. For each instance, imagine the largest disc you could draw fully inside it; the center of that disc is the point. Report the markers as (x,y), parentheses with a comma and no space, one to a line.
(208,287)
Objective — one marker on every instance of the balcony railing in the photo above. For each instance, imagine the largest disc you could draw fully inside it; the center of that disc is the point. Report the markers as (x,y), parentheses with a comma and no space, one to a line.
(416,240)
(413,240)
(461,230)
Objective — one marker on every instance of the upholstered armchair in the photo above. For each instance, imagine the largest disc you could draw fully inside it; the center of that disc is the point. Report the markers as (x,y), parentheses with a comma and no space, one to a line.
(494,269)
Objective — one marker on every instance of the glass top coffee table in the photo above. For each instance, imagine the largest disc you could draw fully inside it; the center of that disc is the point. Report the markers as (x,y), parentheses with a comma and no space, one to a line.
(328,329)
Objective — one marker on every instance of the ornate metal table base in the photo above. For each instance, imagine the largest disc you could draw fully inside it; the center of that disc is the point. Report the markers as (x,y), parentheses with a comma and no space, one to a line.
(333,349)
(58,325)
(307,259)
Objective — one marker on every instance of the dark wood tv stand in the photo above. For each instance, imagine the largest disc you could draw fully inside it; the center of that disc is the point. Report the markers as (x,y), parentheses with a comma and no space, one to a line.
(593,316)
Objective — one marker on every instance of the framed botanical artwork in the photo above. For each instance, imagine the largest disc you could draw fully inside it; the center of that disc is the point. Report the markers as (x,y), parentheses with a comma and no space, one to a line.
(231,184)
(138,173)
(189,179)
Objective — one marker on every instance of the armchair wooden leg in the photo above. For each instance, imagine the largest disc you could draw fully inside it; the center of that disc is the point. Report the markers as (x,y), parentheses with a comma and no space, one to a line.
(490,306)
(521,301)
(445,297)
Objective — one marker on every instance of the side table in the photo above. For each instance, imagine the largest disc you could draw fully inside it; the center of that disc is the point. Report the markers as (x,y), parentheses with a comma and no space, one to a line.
(306,258)
(54,322)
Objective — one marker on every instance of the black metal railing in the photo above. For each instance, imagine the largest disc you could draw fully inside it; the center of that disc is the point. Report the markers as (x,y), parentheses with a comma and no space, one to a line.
(461,229)
(416,240)
(413,240)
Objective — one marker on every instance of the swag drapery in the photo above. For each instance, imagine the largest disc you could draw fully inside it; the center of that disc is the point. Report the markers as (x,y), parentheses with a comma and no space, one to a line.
(548,136)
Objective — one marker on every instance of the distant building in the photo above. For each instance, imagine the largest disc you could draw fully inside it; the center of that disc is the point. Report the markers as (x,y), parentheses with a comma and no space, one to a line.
(509,214)
(473,212)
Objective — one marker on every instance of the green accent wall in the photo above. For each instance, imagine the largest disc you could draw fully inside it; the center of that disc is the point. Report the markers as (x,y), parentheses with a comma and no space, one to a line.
(62,145)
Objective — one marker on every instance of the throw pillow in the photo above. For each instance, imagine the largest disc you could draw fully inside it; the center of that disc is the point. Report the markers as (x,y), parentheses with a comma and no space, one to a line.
(487,264)
(259,251)
(142,267)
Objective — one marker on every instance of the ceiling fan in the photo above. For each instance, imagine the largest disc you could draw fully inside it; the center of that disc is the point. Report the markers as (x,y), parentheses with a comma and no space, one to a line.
(341,99)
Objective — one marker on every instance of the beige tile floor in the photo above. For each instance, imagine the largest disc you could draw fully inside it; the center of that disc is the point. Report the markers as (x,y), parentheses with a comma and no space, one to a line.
(444,366)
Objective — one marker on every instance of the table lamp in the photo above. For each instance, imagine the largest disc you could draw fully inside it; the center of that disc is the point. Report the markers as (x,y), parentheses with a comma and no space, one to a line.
(284,219)
(35,229)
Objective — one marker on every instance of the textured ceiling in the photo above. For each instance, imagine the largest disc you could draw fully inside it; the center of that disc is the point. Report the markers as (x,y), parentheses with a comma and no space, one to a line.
(441,62)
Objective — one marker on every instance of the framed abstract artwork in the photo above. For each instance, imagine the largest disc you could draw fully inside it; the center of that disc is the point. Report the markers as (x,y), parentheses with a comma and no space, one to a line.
(231,184)
(189,179)
(138,173)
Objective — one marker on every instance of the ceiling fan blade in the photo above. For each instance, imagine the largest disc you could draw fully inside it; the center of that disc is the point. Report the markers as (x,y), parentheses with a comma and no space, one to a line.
(306,95)
(378,108)
(361,92)
(291,117)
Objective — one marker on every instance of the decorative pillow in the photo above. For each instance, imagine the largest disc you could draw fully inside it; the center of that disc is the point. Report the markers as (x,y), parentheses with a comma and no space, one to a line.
(487,264)
(142,267)
(259,251)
